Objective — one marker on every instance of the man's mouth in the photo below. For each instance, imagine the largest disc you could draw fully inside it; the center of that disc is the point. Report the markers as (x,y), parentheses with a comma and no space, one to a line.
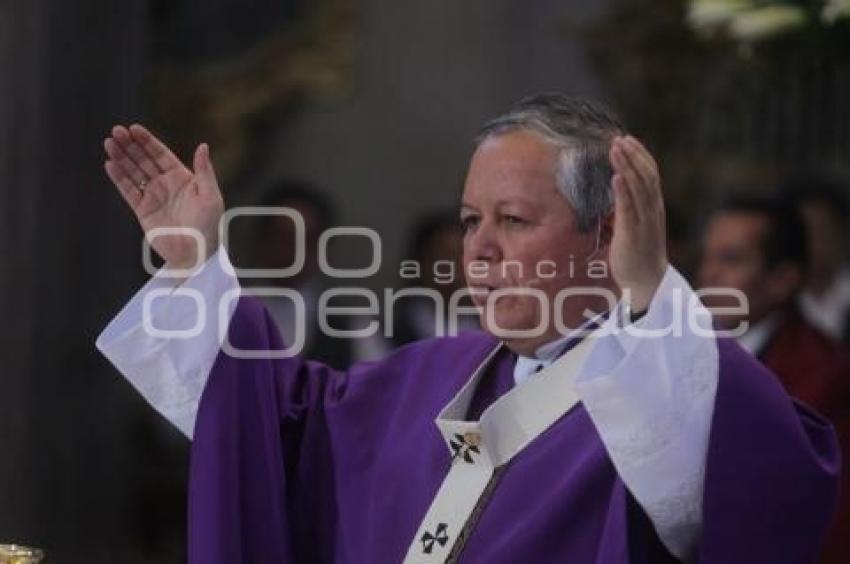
(480,293)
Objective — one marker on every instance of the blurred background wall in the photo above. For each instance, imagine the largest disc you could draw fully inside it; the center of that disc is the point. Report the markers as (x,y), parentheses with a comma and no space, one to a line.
(66,458)
(375,101)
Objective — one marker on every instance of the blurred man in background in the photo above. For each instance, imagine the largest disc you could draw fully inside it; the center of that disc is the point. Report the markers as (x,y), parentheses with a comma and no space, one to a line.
(825,300)
(435,249)
(759,247)
(274,247)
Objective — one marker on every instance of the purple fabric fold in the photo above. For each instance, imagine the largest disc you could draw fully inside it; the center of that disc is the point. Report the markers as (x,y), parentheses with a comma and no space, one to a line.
(295,462)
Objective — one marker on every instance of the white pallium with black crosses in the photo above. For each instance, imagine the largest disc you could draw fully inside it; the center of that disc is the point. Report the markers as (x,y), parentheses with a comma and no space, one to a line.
(481,449)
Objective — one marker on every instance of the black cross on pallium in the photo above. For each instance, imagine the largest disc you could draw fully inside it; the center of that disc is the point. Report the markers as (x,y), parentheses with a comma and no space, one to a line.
(463,449)
(439,536)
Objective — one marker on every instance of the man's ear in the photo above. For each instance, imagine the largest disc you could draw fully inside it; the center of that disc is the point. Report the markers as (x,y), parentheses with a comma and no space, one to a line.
(606,229)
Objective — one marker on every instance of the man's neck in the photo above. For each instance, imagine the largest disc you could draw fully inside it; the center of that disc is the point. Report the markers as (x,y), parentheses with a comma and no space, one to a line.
(551,345)
(760,333)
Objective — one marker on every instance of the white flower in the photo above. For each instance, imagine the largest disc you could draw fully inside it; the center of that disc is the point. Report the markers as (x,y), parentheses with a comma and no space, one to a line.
(835,10)
(770,21)
(710,15)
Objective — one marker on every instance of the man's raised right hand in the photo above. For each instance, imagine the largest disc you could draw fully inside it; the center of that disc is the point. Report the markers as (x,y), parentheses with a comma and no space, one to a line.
(164,193)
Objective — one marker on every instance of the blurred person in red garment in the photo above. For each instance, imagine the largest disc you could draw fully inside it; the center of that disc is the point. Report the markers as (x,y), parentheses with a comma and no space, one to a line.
(825,300)
(759,246)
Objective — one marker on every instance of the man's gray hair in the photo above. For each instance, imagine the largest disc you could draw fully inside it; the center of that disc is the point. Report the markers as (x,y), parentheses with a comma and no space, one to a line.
(583,129)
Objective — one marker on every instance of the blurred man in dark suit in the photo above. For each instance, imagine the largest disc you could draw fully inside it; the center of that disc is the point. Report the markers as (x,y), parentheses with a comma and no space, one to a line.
(825,301)
(435,248)
(274,247)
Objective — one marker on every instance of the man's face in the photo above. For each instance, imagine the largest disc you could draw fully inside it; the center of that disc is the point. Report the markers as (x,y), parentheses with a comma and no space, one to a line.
(516,222)
(732,257)
(826,238)
(282,236)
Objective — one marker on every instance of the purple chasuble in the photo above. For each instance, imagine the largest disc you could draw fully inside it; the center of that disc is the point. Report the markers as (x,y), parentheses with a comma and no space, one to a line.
(293,462)
(497,381)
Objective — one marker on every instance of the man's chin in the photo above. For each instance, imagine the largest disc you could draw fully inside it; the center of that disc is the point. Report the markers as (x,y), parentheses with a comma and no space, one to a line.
(527,346)
(505,327)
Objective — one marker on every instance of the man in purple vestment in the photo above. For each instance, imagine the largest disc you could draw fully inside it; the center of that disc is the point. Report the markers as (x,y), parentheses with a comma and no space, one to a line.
(596,420)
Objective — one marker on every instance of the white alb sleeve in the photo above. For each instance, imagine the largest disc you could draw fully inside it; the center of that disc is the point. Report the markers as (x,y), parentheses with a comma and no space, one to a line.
(166,339)
(650,390)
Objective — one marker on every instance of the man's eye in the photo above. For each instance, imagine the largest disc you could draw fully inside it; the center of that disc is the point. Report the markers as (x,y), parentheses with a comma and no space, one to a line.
(468,222)
(731,258)
(514,220)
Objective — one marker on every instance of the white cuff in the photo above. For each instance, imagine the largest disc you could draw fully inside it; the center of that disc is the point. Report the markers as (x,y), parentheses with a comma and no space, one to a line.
(166,339)
(649,389)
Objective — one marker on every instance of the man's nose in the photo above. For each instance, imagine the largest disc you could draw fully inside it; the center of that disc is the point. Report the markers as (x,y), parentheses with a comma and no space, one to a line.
(483,244)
